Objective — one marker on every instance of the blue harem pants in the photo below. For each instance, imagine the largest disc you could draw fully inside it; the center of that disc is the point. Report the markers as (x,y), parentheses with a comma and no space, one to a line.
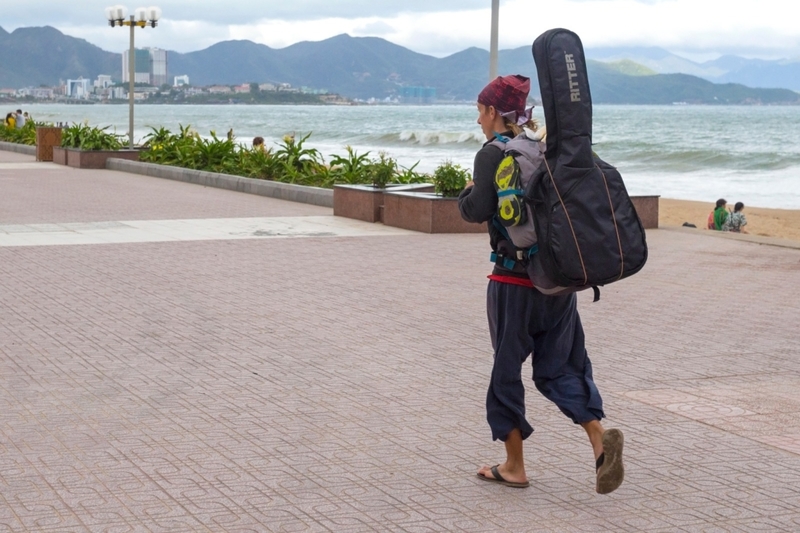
(523,321)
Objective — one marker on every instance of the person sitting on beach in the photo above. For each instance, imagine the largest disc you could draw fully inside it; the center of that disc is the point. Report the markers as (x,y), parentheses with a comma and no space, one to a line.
(736,221)
(717,218)
(11,121)
(258,143)
(20,119)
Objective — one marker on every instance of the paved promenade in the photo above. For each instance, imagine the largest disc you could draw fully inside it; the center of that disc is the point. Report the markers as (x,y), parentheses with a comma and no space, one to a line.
(175,358)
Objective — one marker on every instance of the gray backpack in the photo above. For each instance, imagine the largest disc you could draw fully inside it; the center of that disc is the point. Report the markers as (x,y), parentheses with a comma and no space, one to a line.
(524,155)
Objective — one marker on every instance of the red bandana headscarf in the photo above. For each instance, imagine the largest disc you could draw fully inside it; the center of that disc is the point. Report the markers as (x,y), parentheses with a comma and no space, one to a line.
(508,95)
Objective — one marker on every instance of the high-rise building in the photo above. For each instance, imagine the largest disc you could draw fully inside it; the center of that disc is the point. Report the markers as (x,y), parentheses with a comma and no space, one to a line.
(150,66)
(158,67)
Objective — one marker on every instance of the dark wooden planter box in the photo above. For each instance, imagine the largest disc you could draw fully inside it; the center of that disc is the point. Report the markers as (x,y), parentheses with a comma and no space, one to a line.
(647,209)
(59,155)
(365,202)
(47,138)
(426,212)
(97,158)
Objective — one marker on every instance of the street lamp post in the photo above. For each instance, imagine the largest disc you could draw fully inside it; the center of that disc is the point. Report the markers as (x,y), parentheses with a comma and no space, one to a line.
(493,42)
(142,17)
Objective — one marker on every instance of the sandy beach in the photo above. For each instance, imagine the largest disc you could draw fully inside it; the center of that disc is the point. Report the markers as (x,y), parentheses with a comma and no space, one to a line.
(781,223)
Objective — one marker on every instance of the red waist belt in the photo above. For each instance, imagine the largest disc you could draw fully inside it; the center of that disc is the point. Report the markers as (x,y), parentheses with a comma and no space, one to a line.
(511,280)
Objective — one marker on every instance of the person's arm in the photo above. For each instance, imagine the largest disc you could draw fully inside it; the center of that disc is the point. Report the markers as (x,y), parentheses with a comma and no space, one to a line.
(478,201)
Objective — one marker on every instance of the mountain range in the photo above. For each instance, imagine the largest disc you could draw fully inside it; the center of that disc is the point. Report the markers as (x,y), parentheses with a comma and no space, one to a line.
(370,67)
(782,73)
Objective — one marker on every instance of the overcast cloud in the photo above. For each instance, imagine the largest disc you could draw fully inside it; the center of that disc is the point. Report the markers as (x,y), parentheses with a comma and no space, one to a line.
(699,29)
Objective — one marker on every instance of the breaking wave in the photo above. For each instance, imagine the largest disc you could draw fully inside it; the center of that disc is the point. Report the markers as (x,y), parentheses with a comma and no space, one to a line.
(432,137)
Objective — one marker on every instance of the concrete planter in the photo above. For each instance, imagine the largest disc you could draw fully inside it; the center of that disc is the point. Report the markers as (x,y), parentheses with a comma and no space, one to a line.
(647,209)
(59,155)
(365,202)
(18,148)
(47,138)
(97,158)
(426,212)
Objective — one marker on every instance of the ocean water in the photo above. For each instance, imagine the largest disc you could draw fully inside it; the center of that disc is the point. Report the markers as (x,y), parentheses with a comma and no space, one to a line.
(742,153)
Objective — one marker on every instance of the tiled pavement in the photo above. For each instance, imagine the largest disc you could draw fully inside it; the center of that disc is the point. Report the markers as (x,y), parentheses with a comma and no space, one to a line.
(336,383)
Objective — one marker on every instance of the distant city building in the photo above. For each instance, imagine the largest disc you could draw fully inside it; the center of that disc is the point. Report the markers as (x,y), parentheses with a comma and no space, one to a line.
(158,67)
(103,81)
(78,88)
(311,90)
(243,88)
(181,80)
(141,65)
(266,87)
(150,66)
(42,93)
(219,89)
(417,95)
(118,93)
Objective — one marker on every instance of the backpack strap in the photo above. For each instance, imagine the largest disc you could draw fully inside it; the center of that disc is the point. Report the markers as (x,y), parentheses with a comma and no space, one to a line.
(500,138)
(522,256)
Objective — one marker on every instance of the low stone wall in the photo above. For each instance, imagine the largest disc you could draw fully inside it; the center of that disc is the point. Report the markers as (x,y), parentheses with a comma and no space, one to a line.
(272,189)
(97,158)
(647,209)
(19,148)
(364,202)
(427,213)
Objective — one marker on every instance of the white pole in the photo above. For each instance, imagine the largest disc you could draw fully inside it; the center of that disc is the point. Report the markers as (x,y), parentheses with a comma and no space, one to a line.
(493,44)
(132,74)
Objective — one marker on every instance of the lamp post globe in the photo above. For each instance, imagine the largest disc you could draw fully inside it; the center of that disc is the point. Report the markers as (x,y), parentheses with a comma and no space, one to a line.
(142,17)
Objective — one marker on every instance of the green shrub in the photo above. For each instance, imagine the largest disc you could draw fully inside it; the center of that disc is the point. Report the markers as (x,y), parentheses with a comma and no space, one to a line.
(383,171)
(290,162)
(449,179)
(300,165)
(351,170)
(84,137)
(409,175)
(24,135)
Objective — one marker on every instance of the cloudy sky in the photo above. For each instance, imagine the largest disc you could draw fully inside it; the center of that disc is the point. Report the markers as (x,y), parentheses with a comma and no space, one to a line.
(698,29)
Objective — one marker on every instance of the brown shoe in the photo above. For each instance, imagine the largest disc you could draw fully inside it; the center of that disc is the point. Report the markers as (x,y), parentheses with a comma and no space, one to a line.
(610,471)
(497,478)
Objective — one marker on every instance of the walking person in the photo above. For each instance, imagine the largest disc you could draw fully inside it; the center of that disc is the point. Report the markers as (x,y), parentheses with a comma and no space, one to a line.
(525,322)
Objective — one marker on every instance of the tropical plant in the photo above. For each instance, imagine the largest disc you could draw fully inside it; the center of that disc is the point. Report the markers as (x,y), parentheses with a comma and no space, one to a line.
(351,170)
(301,165)
(290,162)
(449,179)
(257,163)
(84,137)
(24,135)
(409,175)
(383,171)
